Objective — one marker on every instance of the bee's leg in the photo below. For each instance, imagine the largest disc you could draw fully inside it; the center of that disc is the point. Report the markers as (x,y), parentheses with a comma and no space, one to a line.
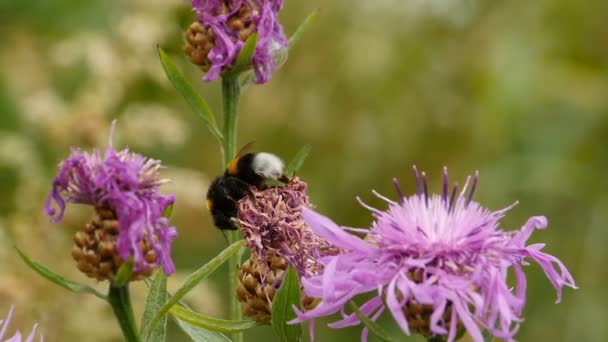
(236,188)
(224,221)
(252,197)
(241,189)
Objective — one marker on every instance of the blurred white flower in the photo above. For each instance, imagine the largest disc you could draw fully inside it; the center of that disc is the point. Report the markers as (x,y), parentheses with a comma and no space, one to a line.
(153,125)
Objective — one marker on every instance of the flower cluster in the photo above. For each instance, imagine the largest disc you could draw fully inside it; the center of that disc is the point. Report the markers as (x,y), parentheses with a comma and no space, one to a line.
(437,263)
(224,26)
(17,336)
(125,184)
(271,222)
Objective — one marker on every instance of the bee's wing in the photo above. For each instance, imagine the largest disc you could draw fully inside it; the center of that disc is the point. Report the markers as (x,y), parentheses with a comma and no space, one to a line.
(244,149)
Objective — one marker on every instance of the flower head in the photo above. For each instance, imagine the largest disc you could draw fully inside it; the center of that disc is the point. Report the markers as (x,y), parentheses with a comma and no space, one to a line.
(17,336)
(124,185)
(271,221)
(223,26)
(437,263)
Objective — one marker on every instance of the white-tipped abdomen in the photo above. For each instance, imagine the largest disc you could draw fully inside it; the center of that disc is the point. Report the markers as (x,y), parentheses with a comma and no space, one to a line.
(268,165)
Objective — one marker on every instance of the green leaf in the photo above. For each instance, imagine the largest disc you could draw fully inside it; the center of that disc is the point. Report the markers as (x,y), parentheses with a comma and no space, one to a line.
(124,273)
(190,95)
(57,279)
(286,297)
(374,327)
(198,334)
(304,26)
(247,76)
(298,160)
(243,61)
(487,336)
(195,333)
(168,211)
(157,296)
(210,323)
(245,79)
(193,280)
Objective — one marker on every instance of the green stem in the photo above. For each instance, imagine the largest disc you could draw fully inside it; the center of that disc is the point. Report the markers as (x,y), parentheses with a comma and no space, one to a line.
(231,93)
(121,304)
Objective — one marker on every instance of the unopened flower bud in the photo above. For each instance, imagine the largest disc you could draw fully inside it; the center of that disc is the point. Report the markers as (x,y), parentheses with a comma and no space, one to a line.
(259,280)
(96,253)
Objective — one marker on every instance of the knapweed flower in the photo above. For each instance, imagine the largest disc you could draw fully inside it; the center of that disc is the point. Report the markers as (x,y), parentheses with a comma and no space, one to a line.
(128,222)
(438,263)
(223,27)
(275,232)
(17,336)
(271,222)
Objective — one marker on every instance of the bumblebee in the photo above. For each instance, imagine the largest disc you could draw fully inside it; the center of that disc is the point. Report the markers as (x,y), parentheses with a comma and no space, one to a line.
(244,171)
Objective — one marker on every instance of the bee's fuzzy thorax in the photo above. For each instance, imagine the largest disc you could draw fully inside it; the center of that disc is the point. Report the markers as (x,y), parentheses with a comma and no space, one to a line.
(267,165)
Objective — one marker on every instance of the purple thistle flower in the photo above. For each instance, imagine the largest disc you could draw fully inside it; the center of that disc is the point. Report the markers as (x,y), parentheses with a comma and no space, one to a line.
(272,224)
(17,336)
(127,184)
(441,258)
(231,23)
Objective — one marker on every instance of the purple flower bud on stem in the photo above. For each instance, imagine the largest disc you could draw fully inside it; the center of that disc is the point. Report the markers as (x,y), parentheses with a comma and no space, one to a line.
(224,26)
(124,186)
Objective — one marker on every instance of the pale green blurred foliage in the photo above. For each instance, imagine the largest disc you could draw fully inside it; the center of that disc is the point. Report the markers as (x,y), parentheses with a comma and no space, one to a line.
(517,90)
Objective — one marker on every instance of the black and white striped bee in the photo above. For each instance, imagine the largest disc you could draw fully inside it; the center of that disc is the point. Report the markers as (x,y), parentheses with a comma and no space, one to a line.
(244,171)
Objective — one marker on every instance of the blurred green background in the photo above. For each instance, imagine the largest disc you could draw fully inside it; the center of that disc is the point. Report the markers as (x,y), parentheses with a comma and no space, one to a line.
(516,90)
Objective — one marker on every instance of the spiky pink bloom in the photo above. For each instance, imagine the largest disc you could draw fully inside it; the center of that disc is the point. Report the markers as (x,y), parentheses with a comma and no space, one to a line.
(445,252)
(272,223)
(126,183)
(215,14)
(17,336)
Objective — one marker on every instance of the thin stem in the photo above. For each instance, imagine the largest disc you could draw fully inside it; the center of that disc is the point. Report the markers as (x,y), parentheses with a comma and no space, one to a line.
(121,304)
(231,92)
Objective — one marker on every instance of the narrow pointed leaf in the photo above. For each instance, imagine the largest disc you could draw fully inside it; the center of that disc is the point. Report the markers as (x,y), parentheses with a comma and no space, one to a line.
(124,273)
(243,61)
(168,211)
(247,76)
(304,26)
(246,79)
(57,279)
(193,280)
(374,327)
(189,93)
(298,160)
(195,333)
(211,323)
(157,296)
(198,334)
(487,336)
(286,297)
